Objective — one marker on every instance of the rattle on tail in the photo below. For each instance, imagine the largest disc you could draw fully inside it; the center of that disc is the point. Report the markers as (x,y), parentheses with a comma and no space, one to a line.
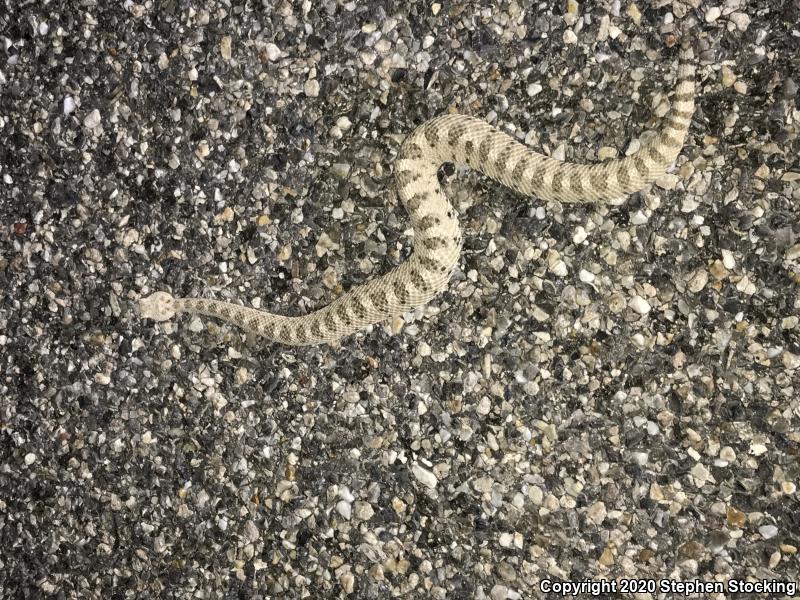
(437,235)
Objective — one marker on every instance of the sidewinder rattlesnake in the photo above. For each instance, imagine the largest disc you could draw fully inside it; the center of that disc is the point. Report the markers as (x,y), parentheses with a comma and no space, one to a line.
(437,235)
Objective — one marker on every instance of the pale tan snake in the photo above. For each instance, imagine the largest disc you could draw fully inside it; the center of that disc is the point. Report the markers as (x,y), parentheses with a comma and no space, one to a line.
(437,235)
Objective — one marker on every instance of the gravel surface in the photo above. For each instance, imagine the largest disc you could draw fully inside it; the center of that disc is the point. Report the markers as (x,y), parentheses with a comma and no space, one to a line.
(604,393)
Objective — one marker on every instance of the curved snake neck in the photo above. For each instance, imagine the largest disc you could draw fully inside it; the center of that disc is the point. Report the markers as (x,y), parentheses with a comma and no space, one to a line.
(437,235)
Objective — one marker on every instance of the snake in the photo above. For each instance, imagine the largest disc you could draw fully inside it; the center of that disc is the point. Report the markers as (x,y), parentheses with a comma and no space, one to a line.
(463,140)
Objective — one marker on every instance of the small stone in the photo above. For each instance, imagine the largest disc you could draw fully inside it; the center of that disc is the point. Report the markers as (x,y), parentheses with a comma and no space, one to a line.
(634,14)
(691,549)
(311,88)
(569,37)
(579,236)
(506,571)
(498,592)
(30,458)
(226,216)
(272,51)
(340,170)
(698,281)
(348,582)
(790,361)
(69,105)
(728,77)
(203,149)
(597,513)
(656,492)
(284,252)
(424,476)
(343,123)
(735,517)
(741,20)
(757,449)
(363,510)
(606,153)
(92,120)
(727,453)
(713,13)
(607,557)
(225,47)
(701,475)
(345,509)
(398,505)
(768,531)
(534,89)
(640,305)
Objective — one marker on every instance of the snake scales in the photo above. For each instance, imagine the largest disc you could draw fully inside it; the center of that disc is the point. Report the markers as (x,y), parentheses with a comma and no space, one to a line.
(437,235)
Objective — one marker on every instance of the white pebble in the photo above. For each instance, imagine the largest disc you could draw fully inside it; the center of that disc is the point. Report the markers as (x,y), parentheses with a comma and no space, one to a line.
(712,14)
(580,235)
(30,458)
(344,509)
(92,120)
(640,305)
(586,276)
(559,268)
(534,88)
(273,52)
(768,531)
(570,37)
(311,88)
(424,476)
(69,105)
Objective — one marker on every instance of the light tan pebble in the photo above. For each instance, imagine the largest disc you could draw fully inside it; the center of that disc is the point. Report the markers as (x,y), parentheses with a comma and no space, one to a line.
(225,47)
(728,76)
(791,361)
(606,153)
(203,149)
(635,14)
(698,281)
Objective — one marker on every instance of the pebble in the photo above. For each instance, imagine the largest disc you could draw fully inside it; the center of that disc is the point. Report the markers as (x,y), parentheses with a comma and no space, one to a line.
(272,51)
(768,531)
(424,476)
(712,14)
(698,281)
(92,120)
(225,47)
(640,305)
(311,88)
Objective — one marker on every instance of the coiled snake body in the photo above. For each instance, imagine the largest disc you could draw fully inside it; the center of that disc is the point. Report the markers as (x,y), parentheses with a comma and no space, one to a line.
(437,235)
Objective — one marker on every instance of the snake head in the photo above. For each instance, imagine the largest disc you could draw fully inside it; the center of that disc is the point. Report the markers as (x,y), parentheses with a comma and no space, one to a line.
(160,306)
